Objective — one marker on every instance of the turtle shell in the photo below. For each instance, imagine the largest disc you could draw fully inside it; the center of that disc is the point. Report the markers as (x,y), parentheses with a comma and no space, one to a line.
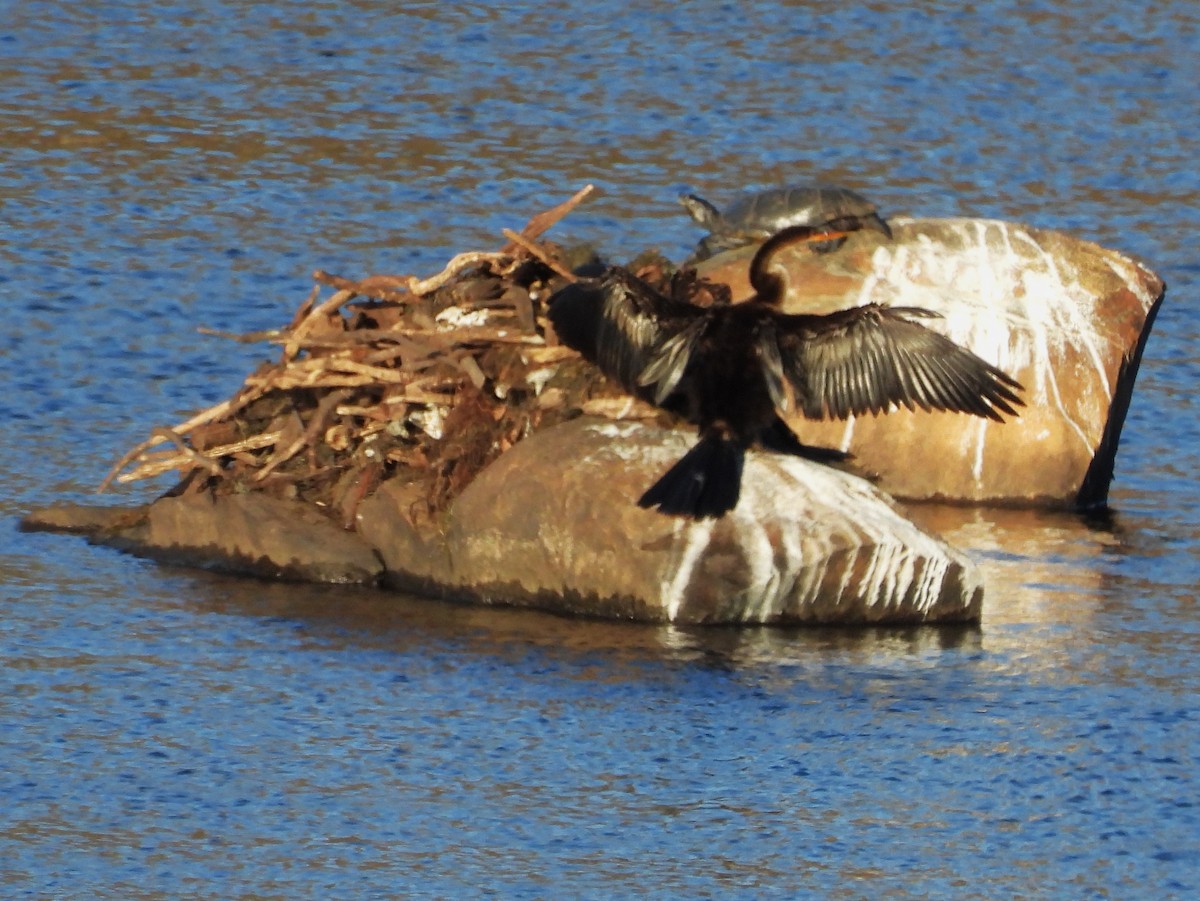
(756,216)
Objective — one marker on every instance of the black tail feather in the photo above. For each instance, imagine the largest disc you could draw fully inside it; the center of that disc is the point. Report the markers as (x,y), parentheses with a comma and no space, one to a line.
(706,482)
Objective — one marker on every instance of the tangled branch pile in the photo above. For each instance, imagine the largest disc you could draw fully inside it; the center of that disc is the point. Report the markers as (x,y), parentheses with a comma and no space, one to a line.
(393,376)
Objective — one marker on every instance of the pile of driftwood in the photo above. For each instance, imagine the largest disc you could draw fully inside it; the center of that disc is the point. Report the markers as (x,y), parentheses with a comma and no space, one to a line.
(394,376)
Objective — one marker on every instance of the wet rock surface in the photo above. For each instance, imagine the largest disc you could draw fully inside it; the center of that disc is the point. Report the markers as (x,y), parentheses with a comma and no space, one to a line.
(806,543)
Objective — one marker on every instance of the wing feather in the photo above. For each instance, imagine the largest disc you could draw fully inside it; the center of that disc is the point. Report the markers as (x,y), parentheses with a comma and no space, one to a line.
(866,359)
(771,362)
(621,324)
(669,360)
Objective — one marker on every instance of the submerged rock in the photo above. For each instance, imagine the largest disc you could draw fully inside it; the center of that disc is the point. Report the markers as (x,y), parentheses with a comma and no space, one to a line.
(1066,317)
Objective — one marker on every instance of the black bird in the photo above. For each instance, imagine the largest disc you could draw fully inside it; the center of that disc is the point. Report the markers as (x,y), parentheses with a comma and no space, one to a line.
(733,368)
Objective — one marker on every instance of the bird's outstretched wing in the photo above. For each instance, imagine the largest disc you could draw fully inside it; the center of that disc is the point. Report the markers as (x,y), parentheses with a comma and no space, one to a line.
(865,359)
(636,335)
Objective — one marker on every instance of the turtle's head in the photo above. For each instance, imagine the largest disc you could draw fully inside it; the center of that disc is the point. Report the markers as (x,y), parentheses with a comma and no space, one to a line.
(702,212)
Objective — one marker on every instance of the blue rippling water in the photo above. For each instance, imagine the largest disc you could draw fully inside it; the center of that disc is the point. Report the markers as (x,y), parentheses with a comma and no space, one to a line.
(170,733)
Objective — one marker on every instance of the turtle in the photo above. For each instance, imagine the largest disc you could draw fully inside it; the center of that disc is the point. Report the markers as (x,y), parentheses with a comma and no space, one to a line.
(756,216)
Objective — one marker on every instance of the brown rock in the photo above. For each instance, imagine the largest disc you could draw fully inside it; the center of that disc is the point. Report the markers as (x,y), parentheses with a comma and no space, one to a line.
(1066,317)
(554,523)
(257,534)
(84,520)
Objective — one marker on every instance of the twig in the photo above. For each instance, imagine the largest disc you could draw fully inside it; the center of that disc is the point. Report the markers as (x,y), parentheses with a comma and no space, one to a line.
(421,287)
(271,334)
(535,251)
(197,458)
(382,287)
(157,437)
(309,322)
(166,461)
(306,307)
(315,426)
(542,222)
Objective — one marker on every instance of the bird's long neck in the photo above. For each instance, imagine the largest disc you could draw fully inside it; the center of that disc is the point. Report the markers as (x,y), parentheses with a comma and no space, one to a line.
(768,276)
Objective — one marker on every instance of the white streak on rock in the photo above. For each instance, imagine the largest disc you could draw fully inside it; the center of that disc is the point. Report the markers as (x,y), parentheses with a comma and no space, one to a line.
(847,434)
(695,541)
(904,573)
(1007,297)
(618,446)
(1071,323)
(1127,271)
(614,429)
(980,443)
(1052,307)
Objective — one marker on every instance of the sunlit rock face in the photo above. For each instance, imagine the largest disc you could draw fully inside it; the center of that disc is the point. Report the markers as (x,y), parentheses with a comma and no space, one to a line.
(554,523)
(255,533)
(1066,317)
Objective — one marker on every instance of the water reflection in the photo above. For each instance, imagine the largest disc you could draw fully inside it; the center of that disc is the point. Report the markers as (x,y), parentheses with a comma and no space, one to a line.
(1038,566)
(1057,576)
(401,623)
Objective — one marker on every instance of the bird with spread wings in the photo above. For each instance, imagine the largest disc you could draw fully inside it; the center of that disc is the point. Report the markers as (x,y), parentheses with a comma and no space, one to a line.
(733,368)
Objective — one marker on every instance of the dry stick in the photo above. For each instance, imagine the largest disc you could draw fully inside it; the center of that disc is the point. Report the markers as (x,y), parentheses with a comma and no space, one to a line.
(315,425)
(271,334)
(195,456)
(536,226)
(535,251)
(462,261)
(473,334)
(168,461)
(412,354)
(381,287)
(325,380)
(470,368)
(541,223)
(445,338)
(306,307)
(353,367)
(309,322)
(367,481)
(156,438)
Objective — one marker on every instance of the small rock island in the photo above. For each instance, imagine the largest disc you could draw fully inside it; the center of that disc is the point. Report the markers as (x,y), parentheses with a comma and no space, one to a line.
(435,436)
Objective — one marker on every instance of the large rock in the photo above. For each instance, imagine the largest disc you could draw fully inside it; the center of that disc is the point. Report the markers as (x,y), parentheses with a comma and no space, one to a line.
(554,523)
(255,534)
(1067,318)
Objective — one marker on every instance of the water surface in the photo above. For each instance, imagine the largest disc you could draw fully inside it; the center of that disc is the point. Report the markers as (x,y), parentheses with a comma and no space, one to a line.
(172,733)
